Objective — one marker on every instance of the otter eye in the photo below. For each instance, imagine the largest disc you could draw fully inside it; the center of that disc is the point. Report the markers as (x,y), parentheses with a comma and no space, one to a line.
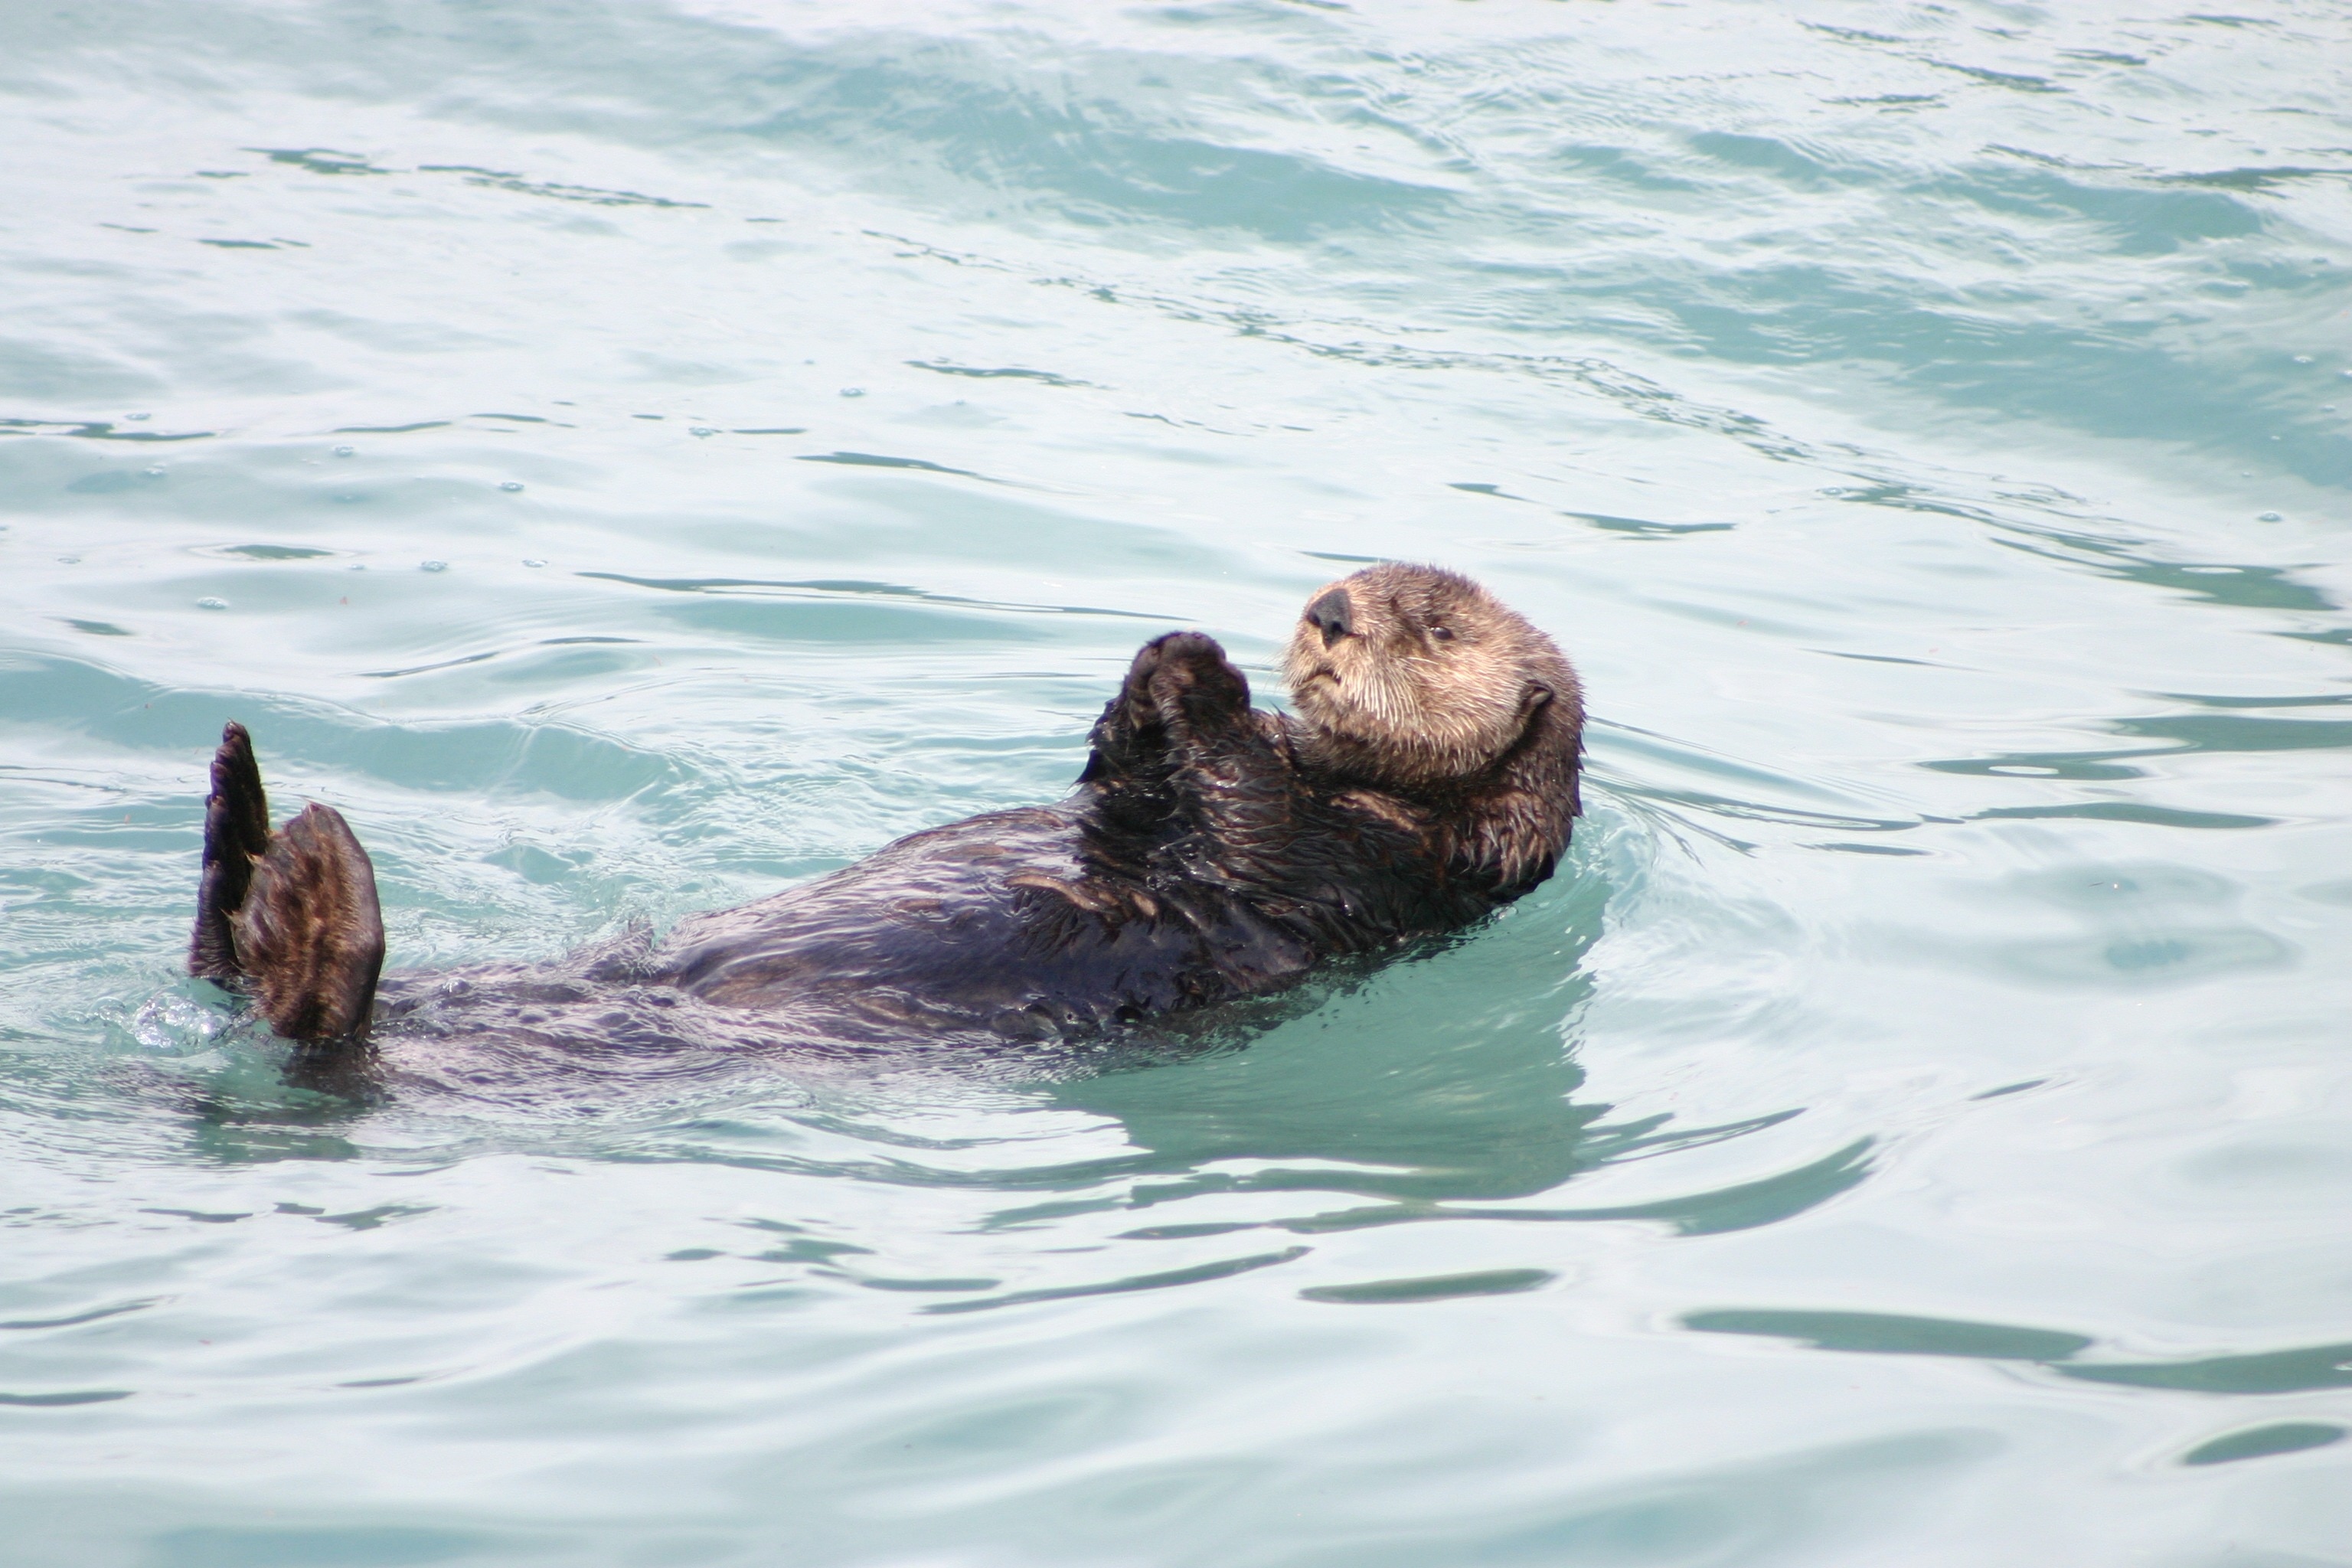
(1442,634)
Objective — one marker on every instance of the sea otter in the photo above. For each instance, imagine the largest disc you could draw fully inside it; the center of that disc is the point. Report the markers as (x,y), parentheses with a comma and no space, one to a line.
(1209,852)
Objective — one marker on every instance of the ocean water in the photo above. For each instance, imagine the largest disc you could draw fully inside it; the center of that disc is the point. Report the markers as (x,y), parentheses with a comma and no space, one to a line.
(630,456)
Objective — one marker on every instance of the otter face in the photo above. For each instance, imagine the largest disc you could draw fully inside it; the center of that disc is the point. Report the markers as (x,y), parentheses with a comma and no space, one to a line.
(1419,676)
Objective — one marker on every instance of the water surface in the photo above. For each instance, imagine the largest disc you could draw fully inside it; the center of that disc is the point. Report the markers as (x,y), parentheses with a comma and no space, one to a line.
(628,456)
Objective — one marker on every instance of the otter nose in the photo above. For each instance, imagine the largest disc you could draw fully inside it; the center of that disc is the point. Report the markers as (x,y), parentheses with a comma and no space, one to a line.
(1330,614)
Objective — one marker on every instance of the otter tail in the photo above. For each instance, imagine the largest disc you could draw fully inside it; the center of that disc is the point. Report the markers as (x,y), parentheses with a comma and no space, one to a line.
(291,915)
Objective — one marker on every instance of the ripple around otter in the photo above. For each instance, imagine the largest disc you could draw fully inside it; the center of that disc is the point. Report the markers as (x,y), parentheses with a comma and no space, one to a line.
(1912,1129)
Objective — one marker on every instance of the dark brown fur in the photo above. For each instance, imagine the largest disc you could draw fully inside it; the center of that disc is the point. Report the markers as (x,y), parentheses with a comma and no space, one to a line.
(1212,851)
(291,915)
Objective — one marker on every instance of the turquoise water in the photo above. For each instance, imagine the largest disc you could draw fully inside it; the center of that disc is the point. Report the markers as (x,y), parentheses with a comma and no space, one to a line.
(629,456)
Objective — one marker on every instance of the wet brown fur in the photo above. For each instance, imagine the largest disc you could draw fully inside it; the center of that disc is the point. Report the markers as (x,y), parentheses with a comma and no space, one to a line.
(289,917)
(1210,851)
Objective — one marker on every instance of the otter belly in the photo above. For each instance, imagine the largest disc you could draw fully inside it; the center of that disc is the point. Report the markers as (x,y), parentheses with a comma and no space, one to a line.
(1000,922)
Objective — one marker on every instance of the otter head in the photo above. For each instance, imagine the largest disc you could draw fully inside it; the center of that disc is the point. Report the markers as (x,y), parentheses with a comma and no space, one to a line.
(1418,677)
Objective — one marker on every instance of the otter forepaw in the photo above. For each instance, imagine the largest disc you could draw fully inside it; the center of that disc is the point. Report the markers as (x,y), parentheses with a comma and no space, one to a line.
(1137,709)
(1195,689)
(1179,690)
(1127,739)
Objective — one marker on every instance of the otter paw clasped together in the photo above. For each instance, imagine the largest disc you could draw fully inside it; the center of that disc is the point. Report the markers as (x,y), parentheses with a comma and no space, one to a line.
(1210,851)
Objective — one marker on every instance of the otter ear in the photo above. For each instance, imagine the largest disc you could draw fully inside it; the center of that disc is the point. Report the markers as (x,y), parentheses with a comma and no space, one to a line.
(1537,695)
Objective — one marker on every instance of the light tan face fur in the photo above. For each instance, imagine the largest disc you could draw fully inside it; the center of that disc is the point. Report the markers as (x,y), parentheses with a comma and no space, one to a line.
(1432,678)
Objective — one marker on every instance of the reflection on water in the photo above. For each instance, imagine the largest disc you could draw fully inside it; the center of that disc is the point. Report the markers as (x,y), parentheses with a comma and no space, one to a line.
(2279,1437)
(2296,1371)
(1393,1091)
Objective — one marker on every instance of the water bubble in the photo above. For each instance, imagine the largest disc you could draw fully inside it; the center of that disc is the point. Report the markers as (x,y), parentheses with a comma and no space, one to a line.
(852,391)
(511,485)
(433,566)
(2270,517)
(209,603)
(347,497)
(69,560)
(532,561)
(2303,359)
(152,473)
(700,431)
(134,416)
(1832,490)
(356,566)
(178,1023)
(2327,408)
(345,451)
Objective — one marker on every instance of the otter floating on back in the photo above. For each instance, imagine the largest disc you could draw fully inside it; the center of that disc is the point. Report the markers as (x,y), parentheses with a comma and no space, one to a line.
(1209,852)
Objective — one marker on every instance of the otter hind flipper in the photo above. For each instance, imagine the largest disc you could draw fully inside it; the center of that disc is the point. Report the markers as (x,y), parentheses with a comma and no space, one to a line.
(236,832)
(310,937)
(291,917)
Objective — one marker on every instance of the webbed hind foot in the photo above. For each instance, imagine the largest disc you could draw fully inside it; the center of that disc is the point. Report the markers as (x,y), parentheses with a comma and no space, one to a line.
(291,915)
